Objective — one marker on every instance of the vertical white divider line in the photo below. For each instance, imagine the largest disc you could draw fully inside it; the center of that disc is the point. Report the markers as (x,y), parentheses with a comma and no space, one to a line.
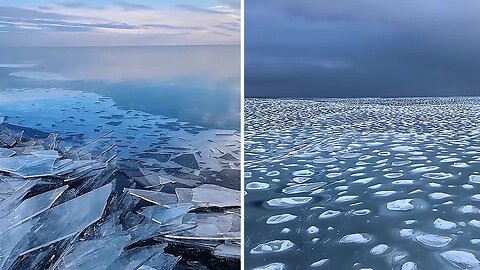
(242,129)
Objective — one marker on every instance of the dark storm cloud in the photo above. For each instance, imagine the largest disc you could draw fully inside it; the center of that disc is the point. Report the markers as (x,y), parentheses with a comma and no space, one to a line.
(350,48)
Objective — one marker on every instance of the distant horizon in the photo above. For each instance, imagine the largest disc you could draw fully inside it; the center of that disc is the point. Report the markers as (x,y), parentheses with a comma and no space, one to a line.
(95,46)
(363,97)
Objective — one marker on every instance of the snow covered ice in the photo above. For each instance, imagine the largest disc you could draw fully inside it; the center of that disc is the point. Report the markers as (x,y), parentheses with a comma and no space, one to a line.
(362,183)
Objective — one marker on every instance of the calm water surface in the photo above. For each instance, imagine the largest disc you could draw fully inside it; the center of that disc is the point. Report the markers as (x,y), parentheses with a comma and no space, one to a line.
(198,84)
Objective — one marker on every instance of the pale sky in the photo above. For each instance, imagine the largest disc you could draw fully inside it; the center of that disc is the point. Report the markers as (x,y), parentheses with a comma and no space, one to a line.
(119,23)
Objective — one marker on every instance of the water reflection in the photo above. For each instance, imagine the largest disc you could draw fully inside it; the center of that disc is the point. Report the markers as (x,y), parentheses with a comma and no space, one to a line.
(199,84)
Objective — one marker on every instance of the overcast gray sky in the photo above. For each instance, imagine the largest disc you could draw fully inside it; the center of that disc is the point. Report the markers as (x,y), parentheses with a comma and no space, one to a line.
(359,48)
(110,22)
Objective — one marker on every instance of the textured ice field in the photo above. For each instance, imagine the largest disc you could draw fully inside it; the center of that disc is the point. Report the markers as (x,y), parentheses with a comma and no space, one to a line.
(153,140)
(362,183)
(161,170)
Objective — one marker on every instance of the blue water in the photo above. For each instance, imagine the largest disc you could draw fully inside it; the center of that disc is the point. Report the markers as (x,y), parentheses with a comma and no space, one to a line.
(196,84)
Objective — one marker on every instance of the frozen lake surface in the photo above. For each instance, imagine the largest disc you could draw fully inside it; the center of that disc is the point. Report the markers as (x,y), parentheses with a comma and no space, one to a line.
(164,182)
(362,183)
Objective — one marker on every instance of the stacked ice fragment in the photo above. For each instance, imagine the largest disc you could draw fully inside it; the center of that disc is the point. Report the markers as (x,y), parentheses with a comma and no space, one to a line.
(82,208)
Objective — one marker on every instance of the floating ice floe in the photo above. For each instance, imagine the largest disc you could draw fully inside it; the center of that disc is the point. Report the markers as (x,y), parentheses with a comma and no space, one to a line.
(357,238)
(409,266)
(439,195)
(271,266)
(461,259)
(302,188)
(319,263)
(433,240)
(444,224)
(277,219)
(329,214)
(273,247)
(474,178)
(379,249)
(346,198)
(289,202)
(257,186)
(400,205)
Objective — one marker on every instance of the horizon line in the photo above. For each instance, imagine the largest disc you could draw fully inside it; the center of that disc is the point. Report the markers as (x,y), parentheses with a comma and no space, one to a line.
(159,45)
(366,97)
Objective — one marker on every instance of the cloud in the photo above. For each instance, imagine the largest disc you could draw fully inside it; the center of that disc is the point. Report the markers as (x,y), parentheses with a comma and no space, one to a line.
(172,27)
(230,26)
(200,10)
(378,48)
(235,4)
(23,13)
(119,22)
(133,6)
(71,4)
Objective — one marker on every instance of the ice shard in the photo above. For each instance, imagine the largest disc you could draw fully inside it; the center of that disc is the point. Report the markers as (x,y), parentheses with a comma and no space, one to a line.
(64,206)
(68,218)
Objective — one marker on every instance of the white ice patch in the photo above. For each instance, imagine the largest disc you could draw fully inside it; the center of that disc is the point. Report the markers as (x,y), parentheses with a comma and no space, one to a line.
(474,178)
(461,259)
(439,195)
(271,266)
(406,232)
(289,201)
(273,247)
(329,214)
(361,212)
(468,209)
(277,219)
(403,182)
(474,223)
(379,249)
(444,224)
(409,266)
(345,198)
(384,193)
(357,238)
(405,148)
(257,186)
(304,173)
(363,180)
(324,160)
(302,188)
(425,169)
(433,240)
(400,205)
(319,263)
(312,230)
(273,173)
(437,176)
